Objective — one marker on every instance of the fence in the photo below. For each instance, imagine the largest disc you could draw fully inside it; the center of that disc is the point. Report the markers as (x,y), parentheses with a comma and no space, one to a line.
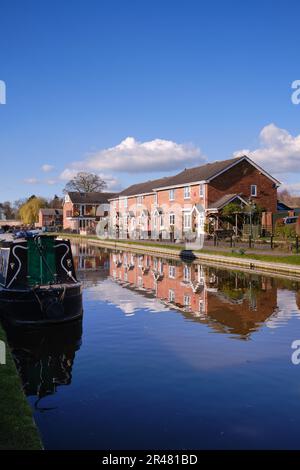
(290,245)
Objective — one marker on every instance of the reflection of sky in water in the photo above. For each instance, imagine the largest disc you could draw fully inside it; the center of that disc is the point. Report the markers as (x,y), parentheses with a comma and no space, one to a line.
(287,308)
(129,301)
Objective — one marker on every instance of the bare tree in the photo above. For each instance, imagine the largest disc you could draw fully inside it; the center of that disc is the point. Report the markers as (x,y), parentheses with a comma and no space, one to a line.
(85,183)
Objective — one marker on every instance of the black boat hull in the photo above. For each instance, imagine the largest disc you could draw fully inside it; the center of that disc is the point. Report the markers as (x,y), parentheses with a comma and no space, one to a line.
(41,306)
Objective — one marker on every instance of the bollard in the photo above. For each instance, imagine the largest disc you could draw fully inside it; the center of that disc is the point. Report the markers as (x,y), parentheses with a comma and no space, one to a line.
(297,244)
(231,241)
(272,245)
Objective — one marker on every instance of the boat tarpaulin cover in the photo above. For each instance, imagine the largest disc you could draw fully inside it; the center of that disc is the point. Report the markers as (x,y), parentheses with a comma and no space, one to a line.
(41,261)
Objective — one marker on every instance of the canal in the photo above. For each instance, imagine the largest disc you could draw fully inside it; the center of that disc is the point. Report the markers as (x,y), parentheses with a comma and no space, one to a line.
(168,356)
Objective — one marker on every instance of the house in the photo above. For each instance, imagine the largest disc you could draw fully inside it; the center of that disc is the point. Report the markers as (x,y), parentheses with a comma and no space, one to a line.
(184,205)
(82,211)
(50,218)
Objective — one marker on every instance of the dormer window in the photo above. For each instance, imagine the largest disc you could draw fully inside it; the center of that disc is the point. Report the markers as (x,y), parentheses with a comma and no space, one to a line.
(253,190)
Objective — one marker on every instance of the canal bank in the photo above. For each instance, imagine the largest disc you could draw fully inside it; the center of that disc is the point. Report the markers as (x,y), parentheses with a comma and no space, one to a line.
(18,430)
(285,265)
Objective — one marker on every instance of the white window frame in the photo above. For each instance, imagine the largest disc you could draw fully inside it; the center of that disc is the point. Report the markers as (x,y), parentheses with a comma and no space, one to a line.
(201,190)
(155,198)
(125,203)
(171,194)
(172,271)
(202,306)
(187,300)
(172,218)
(139,200)
(171,295)
(253,193)
(187,192)
(186,273)
(187,217)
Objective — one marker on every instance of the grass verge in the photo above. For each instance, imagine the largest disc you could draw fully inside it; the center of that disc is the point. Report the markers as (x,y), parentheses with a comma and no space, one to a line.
(292,259)
(17,428)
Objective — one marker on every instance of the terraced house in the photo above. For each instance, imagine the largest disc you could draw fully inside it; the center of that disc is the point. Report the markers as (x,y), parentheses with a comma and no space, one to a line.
(186,204)
(83,211)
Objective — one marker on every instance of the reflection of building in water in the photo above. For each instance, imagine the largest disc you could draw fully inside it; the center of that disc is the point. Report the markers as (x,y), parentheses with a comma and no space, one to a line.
(228,301)
(44,357)
(89,257)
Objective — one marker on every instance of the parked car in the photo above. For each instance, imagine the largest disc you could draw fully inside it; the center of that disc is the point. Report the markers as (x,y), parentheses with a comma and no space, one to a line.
(290,220)
(26,233)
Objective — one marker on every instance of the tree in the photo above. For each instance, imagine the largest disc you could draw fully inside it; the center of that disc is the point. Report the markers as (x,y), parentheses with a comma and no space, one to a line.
(8,210)
(17,204)
(85,183)
(56,203)
(287,198)
(29,211)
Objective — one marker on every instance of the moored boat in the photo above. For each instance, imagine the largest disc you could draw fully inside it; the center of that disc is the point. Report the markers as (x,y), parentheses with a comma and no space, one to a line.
(38,283)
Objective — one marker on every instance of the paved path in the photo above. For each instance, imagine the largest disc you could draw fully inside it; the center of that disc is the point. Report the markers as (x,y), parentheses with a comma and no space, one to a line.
(258,249)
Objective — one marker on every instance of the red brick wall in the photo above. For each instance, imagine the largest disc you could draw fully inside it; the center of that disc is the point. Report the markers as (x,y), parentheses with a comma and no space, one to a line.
(163,197)
(238,180)
(68,206)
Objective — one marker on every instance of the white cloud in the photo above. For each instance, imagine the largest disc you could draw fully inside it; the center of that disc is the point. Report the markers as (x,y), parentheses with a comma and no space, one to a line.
(131,156)
(51,182)
(68,174)
(31,180)
(47,168)
(279,151)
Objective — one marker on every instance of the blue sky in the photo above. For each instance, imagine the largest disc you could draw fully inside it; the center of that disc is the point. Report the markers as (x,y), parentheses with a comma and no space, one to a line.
(206,78)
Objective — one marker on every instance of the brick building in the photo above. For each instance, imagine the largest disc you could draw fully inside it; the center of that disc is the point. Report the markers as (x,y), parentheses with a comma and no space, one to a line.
(184,204)
(82,211)
(50,218)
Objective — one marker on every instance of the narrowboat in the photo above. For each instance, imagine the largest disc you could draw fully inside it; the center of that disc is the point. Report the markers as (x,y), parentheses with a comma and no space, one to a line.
(38,283)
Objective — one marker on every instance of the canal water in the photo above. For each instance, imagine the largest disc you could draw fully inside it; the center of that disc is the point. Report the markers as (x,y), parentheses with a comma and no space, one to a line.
(168,356)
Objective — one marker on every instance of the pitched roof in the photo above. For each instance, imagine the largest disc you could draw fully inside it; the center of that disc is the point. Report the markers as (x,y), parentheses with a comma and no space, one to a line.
(224,200)
(211,170)
(90,198)
(201,173)
(46,211)
(189,175)
(144,188)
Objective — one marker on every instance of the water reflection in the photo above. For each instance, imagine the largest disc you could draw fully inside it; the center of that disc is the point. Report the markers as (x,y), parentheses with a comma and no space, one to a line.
(149,326)
(228,301)
(44,357)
